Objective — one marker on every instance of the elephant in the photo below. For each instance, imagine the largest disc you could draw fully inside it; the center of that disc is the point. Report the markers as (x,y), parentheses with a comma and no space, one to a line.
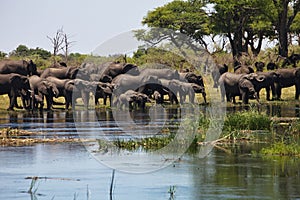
(142,83)
(82,90)
(58,65)
(287,78)
(133,99)
(217,72)
(101,78)
(169,74)
(103,90)
(41,87)
(191,78)
(259,66)
(291,60)
(65,89)
(239,84)
(70,72)
(14,84)
(268,83)
(172,88)
(196,81)
(242,69)
(114,69)
(20,67)
(272,66)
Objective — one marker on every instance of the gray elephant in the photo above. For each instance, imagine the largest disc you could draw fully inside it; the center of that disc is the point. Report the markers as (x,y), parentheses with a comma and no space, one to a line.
(20,67)
(41,88)
(242,69)
(217,72)
(169,74)
(103,90)
(65,89)
(142,83)
(272,66)
(268,84)
(259,66)
(132,99)
(63,73)
(291,60)
(114,69)
(239,85)
(13,85)
(82,90)
(173,89)
(287,78)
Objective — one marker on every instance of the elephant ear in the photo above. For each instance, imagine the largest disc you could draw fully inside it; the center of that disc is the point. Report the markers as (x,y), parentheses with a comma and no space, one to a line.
(244,83)
(16,81)
(297,73)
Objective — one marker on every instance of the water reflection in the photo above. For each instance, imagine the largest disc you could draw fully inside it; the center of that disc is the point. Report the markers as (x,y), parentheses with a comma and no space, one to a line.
(234,176)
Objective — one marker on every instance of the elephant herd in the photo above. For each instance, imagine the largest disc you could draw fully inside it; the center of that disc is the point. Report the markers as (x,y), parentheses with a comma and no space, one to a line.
(246,84)
(123,84)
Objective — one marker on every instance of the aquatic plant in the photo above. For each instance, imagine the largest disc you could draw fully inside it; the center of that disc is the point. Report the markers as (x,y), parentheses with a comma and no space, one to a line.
(171,191)
(247,120)
(282,149)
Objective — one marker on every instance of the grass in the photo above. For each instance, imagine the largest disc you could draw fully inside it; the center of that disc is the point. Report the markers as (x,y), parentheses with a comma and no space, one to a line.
(282,149)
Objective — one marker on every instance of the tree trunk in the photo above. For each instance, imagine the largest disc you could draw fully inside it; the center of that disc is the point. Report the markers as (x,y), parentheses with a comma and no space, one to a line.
(283,29)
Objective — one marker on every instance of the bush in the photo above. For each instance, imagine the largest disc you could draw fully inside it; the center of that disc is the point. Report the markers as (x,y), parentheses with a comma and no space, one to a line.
(247,120)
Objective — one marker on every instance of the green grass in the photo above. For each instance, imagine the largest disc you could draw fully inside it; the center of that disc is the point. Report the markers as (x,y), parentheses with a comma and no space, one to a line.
(247,120)
(282,149)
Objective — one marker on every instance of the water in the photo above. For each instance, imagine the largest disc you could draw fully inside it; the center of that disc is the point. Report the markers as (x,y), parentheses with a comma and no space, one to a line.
(73,173)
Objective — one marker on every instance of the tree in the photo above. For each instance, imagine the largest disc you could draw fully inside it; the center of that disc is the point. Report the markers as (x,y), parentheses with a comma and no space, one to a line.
(57,42)
(287,10)
(67,46)
(243,22)
(177,18)
(61,42)
(2,55)
(21,51)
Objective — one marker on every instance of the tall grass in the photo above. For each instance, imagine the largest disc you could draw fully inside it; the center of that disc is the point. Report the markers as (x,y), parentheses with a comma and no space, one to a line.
(247,120)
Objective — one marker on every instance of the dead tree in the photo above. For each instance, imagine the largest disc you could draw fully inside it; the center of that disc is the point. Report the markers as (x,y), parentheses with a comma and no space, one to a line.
(57,42)
(67,46)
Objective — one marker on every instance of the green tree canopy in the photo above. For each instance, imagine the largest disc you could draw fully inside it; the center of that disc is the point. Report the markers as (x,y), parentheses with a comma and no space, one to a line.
(244,23)
(185,17)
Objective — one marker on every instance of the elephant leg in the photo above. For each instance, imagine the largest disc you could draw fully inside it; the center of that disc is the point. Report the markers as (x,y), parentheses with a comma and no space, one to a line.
(104,99)
(12,100)
(49,101)
(278,92)
(273,91)
(297,87)
(267,93)
(204,97)
(245,97)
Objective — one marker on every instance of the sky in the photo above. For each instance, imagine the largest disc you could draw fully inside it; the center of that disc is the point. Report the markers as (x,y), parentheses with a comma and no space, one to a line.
(89,23)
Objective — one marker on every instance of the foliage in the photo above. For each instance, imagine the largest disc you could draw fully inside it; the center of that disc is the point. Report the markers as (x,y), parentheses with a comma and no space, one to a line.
(245,23)
(247,120)
(24,51)
(142,57)
(282,149)
(187,17)
(2,55)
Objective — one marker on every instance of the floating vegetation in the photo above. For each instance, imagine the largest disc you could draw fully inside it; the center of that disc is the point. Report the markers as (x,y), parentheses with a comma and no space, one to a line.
(148,143)
(17,137)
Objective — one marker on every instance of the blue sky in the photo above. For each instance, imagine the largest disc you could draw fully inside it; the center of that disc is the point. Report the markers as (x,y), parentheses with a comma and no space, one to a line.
(89,22)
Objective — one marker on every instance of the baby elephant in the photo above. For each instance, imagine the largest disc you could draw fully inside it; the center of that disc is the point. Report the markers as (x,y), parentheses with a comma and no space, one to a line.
(132,99)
